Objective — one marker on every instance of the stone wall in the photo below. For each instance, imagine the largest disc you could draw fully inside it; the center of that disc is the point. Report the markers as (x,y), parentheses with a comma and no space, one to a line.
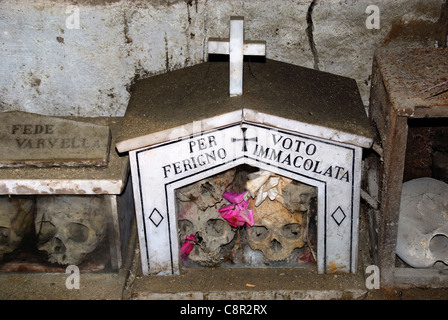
(81,57)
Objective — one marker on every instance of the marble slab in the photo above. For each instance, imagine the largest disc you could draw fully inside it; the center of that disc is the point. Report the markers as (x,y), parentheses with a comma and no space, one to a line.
(236,47)
(333,168)
(307,125)
(28,139)
(70,180)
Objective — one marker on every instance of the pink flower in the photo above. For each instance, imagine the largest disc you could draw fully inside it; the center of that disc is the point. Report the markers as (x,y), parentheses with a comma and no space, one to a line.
(237,213)
(187,246)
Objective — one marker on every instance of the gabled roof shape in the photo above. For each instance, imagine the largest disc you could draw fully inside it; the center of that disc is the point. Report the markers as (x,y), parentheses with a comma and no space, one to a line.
(195,99)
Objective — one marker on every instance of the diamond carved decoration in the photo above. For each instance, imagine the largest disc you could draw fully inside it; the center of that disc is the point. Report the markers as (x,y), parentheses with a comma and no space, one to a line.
(155,217)
(338,216)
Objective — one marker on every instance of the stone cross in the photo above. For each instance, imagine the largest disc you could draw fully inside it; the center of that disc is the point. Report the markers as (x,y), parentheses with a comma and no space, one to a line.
(236,48)
(245,140)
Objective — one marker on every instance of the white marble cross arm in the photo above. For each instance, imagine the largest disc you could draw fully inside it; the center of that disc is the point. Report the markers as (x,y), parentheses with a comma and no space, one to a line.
(236,47)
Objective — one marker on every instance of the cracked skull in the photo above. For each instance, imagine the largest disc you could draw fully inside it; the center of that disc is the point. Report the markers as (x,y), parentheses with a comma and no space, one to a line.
(198,214)
(280,226)
(422,239)
(206,192)
(69,227)
(16,219)
(210,229)
(277,231)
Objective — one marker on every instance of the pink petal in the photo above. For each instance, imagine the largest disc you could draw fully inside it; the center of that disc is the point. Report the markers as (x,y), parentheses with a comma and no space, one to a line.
(243,205)
(237,215)
(187,246)
(234,197)
(232,215)
(227,212)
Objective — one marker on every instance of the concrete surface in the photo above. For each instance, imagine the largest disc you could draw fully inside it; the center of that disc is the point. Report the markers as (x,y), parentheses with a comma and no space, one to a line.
(112,286)
(80,58)
(206,284)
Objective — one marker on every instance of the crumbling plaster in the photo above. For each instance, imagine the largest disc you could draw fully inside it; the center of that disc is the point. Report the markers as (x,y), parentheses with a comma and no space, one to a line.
(47,67)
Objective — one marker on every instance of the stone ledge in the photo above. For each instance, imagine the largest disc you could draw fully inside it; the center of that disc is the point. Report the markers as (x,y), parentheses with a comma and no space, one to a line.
(250,284)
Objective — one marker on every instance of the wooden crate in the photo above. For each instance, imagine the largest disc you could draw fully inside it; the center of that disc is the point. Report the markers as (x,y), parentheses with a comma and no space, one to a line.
(407,85)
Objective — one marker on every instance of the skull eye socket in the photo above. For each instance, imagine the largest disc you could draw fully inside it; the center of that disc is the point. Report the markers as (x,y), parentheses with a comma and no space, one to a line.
(185,228)
(291,231)
(78,232)
(259,233)
(46,231)
(4,235)
(215,227)
(438,245)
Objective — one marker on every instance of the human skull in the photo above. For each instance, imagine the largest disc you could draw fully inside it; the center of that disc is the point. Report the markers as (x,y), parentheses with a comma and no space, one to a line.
(207,192)
(16,219)
(69,227)
(210,229)
(198,214)
(276,231)
(422,239)
(296,196)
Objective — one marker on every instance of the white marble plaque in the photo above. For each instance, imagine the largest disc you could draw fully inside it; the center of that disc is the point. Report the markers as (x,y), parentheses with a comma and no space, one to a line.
(334,168)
